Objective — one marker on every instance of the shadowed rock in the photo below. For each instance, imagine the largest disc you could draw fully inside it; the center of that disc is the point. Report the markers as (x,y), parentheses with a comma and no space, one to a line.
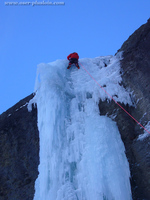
(19,152)
(135,67)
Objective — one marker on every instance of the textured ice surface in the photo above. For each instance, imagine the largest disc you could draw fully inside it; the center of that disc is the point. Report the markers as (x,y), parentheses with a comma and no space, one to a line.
(82,156)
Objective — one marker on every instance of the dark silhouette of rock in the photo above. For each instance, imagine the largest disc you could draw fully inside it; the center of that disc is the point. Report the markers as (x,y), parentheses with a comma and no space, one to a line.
(19,137)
(136,70)
(135,67)
(136,78)
(19,152)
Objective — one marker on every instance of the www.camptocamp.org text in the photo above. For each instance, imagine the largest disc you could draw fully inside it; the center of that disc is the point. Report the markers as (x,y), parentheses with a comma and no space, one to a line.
(34,3)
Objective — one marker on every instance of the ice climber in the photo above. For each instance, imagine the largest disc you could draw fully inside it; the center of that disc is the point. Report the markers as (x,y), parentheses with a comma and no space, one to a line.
(73,59)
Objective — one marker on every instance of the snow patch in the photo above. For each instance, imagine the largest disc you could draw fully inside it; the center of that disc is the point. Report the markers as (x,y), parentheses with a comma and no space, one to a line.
(145,134)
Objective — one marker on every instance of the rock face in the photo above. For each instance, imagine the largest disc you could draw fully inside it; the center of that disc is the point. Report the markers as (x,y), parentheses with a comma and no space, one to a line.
(136,77)
(135,67)
(19,137)
(19,152)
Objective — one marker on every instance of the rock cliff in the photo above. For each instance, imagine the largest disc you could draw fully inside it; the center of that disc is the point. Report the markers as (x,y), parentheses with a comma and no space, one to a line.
(135,67)
(19,137)
(136,77)
(19,148)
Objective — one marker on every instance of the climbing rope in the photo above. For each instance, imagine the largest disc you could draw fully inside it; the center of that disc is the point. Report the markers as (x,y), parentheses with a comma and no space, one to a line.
(114,99)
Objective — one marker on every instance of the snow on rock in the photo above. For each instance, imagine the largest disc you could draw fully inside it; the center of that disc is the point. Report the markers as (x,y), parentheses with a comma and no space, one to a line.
(146,134)
(82,156)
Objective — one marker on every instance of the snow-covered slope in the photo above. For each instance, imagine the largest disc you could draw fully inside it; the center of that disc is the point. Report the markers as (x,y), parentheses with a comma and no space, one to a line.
(82,156)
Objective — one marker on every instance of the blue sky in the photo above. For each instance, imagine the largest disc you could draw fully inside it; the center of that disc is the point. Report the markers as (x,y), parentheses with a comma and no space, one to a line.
(30,35)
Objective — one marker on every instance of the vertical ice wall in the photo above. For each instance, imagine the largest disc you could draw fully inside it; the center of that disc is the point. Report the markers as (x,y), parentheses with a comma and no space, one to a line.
(81,153)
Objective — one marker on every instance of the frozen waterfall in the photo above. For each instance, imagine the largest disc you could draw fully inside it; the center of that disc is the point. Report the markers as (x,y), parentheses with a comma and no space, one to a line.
(82,156)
